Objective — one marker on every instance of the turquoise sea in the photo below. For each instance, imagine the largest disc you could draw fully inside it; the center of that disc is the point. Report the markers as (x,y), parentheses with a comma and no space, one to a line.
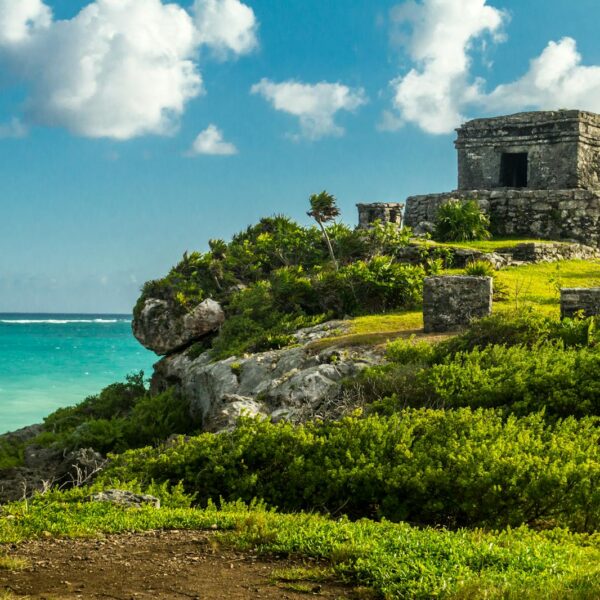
(48,361)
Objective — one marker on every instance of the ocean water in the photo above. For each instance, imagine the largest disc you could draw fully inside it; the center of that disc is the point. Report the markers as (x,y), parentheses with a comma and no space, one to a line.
(49,361)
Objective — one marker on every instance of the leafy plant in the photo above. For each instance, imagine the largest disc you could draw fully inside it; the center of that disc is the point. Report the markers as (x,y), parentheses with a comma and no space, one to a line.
(459,221)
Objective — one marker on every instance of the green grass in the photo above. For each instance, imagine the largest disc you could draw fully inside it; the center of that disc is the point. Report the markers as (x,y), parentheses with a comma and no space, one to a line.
(394,560)
(375,330)
(537,285)
(492,245)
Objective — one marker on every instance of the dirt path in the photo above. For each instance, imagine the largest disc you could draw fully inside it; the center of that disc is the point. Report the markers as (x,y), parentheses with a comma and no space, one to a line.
(153,565)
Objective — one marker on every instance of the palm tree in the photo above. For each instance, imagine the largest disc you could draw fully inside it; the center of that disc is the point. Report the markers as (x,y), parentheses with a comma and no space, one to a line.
(323,208)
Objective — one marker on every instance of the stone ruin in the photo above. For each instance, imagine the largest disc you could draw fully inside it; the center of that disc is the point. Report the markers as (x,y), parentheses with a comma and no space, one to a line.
(536,174)
(386,212)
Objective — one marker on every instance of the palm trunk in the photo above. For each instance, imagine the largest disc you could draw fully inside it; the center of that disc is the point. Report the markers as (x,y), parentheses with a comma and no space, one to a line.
(328,241)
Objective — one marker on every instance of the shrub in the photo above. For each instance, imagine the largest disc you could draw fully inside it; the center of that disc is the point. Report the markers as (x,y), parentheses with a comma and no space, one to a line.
(459,221)
(526,328)
(449,468)
(376,286)
(480,268)
(122,416)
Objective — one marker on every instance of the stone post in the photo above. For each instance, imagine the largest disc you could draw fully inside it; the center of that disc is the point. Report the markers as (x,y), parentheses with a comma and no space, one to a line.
(574,300)
(451,302)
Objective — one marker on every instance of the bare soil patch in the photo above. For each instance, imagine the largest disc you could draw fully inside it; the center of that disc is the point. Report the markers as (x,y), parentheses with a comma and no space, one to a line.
(152,565)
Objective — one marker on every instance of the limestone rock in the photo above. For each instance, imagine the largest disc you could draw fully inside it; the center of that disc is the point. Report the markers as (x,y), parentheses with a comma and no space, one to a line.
(125,498)
(159,329)
(296,383)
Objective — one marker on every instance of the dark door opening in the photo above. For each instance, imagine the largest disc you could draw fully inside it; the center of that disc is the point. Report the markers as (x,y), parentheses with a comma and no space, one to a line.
(513,169)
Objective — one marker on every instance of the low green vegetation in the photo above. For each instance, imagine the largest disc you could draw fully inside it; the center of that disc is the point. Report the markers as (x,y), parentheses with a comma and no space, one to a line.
(461,221)
(452,468)
(124,415)
(11,454)
(392,560)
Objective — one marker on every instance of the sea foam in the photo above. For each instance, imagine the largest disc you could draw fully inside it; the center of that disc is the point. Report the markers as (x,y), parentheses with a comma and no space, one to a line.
(60,321)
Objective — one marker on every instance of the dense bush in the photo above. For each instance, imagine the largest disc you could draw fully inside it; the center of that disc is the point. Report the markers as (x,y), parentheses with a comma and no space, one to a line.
(11,454)
(122,416)
(277,277)
(441,467)
(267,313)
(255,254)
(519,380)
(459,221)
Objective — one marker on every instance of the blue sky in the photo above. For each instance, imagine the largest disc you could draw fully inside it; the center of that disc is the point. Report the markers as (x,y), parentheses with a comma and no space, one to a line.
(359,97)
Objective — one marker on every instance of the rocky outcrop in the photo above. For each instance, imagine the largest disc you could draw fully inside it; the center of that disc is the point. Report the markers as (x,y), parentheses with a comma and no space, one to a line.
(297,383)
(160,329)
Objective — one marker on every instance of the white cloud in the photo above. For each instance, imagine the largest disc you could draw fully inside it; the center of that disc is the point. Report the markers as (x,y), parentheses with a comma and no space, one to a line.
(225,25)
(20,18)
(13,129)
(555,79)
(210,141)
(440,90)
(441,35)
(315,105)
(117,69)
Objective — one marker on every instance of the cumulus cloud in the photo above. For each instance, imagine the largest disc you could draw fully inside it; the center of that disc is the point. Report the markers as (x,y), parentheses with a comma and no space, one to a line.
(438,36)
(20,18)
(117,69)
(438,93)
(225,25)
(555,79)
(316,106)
(210,141)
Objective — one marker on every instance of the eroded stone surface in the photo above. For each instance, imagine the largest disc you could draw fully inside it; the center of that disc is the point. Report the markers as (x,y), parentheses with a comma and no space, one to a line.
(160,329)
(451,302)
(296,383)
(574,301)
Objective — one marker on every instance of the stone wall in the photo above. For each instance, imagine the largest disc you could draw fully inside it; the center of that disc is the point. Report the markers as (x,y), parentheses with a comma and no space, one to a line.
(563,149)
(386,212)
(574,300)
(588,162)
(451,302)
(548,214)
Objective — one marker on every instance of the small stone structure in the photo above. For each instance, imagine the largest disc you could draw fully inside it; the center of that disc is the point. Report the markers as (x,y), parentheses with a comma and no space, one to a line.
(548,150)
(386,212)
(535,174)
(574,300)
(450,302)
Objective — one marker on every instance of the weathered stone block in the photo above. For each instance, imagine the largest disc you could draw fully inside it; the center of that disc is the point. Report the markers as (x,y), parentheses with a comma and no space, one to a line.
(574,300)
(450,302)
